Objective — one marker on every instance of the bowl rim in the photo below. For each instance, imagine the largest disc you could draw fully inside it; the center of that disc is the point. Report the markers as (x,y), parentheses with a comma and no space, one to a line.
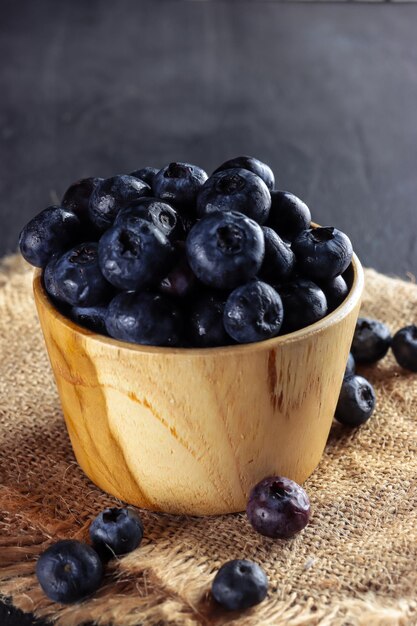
(329,320)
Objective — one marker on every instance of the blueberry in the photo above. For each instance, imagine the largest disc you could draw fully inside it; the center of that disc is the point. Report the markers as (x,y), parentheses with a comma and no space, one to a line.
(69,571)
(205,323)
(278,507)
(304,304)
(52,231)
(225,250)
(116,531)
(335,291)
(145,318)
(235,190)
(322,253)
(279,259)
(370,341)
(91,317)
(78,278)
(239,584)
(180,281)
(253,312)
(147,174)
(161,214)
(350,366)
(289,215)
(134,254)
(356,401)
(404,347)
(77,197)
(49,281)
(179,183)
(113,194)
(252,165)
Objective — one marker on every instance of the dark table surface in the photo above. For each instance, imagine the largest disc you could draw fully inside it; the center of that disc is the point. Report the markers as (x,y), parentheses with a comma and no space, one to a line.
(325,93)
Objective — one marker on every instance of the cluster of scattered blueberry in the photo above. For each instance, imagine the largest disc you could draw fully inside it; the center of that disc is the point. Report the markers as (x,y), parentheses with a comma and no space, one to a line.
(173,257)
(71,570)
(371,342)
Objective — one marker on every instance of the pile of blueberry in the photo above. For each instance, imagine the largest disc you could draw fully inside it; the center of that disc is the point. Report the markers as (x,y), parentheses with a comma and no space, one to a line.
(173,257)
(371,342)
(70,570)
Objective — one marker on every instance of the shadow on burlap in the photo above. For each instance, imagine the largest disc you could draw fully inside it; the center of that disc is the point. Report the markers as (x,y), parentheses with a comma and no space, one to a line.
(354,564)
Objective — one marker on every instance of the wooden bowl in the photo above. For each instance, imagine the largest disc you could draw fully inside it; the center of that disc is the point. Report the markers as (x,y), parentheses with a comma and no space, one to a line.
(192,430)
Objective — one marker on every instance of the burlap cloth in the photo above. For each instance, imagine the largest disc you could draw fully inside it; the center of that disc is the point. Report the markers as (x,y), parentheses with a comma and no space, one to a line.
(354,564)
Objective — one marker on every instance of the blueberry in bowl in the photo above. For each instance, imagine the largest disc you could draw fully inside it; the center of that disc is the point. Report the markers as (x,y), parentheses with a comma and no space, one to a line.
(289,215)
(147,174)
(253,312)
(304,303)
(77,276)
(179,184)
(225,250)
(77,197)
(146,318)
(162,215)
(113,194)
(51,231)
(235,190)
(134,254)
(322,253)
(206,328)
(252,165)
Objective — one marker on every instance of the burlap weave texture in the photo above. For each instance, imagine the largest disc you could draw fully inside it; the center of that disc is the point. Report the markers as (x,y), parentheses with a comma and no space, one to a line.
(355,564)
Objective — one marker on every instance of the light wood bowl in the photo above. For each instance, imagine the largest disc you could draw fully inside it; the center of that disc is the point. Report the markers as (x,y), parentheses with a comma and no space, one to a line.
(192,430)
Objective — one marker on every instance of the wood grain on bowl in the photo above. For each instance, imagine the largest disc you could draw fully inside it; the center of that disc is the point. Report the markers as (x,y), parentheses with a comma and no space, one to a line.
(192,430)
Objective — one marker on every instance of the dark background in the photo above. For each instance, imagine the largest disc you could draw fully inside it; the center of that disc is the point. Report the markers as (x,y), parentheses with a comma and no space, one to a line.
(325,93)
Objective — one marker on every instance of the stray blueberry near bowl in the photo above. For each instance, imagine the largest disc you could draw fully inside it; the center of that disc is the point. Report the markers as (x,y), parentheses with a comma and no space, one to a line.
(239,584)
(225,250)
(279,260)
(371,340)
(205,324)
(147,174)
(235,190)
(51,231)
(253,312)
(289,215)
(134,254)
(404,347)
(91,317)
(304,304)
(179,183)
(77,197)
(350,366)
(322,253)
(146,318)
(161,214)
(116,531)
(252,165)
(78,277)
(335,291)
(113,194)
(278,507)
(356,401)
(69,571)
